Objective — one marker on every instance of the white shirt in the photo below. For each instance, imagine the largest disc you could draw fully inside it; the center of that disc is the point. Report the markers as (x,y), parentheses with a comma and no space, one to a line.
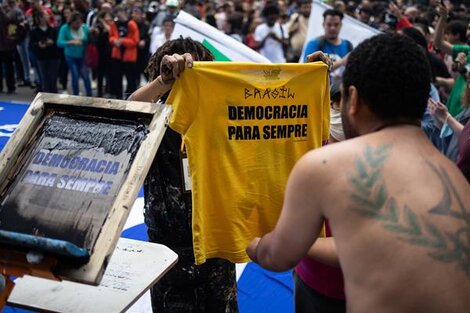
(157,38)
(272,49)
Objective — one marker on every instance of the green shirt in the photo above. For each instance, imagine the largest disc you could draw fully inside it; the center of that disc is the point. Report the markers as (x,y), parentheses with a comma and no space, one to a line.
(454,103)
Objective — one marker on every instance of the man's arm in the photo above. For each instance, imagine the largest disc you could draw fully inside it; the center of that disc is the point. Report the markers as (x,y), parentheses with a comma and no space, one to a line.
(300,222)
(445,82)
(439,41)
(259,39)
(293,26)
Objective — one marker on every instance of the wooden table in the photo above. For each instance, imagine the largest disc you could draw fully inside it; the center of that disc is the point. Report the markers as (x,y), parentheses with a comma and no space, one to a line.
(134,267)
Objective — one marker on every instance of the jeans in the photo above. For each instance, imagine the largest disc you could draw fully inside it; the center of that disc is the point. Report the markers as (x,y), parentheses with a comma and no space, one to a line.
(24,57)
(49,69)
(34,63)
(102,73)
(78,69)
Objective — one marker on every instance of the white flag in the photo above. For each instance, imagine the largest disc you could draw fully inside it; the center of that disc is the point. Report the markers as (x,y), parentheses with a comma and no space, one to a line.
(352,30)
(222,46)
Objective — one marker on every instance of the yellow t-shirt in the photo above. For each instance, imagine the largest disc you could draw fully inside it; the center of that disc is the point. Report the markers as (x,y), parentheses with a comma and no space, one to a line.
(245,125)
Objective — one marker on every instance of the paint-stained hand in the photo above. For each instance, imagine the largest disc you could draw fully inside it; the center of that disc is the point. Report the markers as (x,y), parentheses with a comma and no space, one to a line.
(251,249)
(172,66)
(320,56)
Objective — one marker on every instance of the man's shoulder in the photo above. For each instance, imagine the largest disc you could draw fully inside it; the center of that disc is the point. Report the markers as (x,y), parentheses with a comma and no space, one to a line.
(333,156)
(314,41)
(341,154)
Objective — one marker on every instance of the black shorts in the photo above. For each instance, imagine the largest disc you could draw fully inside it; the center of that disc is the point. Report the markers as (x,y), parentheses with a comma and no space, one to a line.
(307,300)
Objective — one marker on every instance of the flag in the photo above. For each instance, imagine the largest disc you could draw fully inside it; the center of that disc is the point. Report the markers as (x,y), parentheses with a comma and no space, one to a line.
(222,46)
(352,30)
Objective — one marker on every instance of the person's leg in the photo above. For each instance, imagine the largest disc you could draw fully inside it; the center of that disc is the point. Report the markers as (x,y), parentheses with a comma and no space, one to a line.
(307,300)
(54,72)
(49,69)
(2,57)
(63,71)
(220,286)
(100,77)
(107,75)
(116,78)
(44,70)
(187,287)
(19,73)
(74,70)
(24,57)
(130,70)
(180,290)
(34,63)
(85,74)
(10,70)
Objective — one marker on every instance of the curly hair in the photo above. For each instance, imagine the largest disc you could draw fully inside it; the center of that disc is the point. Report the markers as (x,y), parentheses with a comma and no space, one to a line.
(178,46)
(391,74)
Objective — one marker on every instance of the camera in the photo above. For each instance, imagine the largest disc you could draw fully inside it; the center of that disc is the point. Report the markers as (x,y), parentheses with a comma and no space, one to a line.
(391,20)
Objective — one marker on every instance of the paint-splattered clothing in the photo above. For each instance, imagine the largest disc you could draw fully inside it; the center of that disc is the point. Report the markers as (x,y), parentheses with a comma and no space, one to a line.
(188,288)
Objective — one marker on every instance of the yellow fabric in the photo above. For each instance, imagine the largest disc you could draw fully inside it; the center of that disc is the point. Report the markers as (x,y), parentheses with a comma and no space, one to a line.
(238,183)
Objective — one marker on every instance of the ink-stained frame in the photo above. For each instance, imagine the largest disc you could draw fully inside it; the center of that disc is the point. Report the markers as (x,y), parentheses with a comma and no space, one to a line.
(10,158)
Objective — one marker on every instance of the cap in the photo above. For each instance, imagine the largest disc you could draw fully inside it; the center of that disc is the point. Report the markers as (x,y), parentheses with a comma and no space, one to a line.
(153,7)
(172,3)
(106,5)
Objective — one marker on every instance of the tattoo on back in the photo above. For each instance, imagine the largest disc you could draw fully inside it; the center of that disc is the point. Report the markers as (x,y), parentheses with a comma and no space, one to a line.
(371,199)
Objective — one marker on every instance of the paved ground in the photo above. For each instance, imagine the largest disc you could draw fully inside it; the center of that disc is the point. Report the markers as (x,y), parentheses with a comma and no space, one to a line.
(27,94)
(23,95)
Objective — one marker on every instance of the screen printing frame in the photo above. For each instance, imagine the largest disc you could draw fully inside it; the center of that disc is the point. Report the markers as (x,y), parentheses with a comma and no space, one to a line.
(11,158)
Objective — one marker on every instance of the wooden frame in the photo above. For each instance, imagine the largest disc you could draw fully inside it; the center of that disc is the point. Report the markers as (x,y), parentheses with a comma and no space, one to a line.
(10,157)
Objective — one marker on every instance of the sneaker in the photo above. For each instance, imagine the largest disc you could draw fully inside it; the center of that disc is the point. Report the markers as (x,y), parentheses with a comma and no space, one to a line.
(25,83)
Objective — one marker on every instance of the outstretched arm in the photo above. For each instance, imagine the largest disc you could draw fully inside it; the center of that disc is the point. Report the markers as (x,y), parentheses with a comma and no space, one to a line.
(319,56)
(439,41)
(300,222)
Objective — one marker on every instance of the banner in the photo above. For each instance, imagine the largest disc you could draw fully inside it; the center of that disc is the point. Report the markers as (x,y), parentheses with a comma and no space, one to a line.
(352,30)
(222,46)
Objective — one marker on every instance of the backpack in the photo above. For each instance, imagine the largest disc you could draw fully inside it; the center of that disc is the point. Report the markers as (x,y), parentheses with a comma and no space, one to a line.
(321,43)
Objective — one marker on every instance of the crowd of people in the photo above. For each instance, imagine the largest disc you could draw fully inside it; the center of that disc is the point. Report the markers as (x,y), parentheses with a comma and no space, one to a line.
(103,41)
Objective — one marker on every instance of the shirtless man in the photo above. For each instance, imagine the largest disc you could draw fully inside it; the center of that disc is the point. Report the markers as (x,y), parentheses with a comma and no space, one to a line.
(398,209)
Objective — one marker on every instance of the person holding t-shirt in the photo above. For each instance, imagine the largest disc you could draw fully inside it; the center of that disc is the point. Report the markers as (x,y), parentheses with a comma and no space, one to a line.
(271,37)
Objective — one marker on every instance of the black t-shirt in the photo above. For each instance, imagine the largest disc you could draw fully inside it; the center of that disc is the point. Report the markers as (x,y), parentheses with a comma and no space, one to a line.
(122,28)
(38,35)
